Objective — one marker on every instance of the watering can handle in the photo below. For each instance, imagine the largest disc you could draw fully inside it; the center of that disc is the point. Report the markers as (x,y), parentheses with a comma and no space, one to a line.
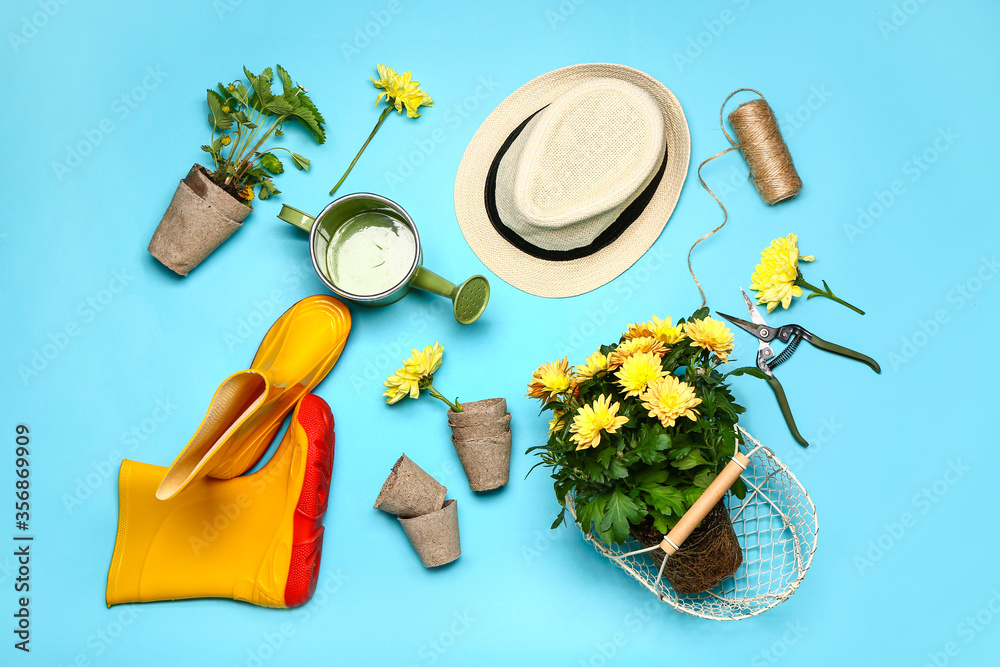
(294,216)
(701,507)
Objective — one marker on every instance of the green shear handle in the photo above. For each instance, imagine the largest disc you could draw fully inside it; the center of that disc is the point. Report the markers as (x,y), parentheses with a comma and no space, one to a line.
(786,411)
(845,352)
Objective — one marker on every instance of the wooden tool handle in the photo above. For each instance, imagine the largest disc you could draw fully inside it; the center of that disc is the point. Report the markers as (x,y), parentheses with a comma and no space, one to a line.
(675,538)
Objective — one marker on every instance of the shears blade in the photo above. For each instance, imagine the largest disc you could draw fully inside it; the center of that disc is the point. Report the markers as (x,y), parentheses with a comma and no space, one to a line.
(755,315)
(749,327)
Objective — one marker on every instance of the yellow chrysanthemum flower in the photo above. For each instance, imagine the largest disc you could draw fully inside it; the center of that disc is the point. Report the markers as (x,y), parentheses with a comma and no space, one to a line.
(711,335)
(424,363)
(399,91)
(400,385)
(776,277)
(416,371)
(638,371)
(596,363)
(668,399)
(550,380)
(632,346)
(590,420)
(662,330)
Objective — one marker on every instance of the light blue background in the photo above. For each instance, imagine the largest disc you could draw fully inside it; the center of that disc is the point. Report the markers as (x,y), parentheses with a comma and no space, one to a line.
(857,101)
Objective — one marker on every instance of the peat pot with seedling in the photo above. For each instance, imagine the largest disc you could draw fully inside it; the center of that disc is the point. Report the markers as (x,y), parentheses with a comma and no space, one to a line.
(209,205)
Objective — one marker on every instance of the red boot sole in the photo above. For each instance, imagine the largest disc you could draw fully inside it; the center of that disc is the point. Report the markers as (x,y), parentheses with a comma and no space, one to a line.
(307,537)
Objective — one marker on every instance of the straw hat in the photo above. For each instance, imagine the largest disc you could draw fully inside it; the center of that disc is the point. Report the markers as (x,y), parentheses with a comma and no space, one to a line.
(573,177)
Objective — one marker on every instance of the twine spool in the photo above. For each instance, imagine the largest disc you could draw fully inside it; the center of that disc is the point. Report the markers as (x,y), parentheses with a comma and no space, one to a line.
(759,139)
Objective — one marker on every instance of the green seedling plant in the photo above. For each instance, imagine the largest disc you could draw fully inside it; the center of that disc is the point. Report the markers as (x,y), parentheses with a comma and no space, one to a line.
(243,118)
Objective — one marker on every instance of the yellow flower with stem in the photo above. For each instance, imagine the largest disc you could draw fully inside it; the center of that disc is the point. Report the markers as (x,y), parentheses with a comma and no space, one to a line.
(711,335)
(550,380)
(662,330)
(399,91)
(418,373)
(596,363)
(668,399)
(590,420)
(638,371)
(778,278)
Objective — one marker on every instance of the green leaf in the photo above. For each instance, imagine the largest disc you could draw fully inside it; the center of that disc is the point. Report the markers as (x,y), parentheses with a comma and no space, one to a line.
(702,480)
(620,512)
(261,85)
(207,149)
(279,106)
(267,189)
(693,459)
(617,469)
(692,494)
(219,119)
(271,163)
(748,370)
(604,455)
(591,513)
(309,116)
(667,499)
(559,519)
(300,161)
(287,89)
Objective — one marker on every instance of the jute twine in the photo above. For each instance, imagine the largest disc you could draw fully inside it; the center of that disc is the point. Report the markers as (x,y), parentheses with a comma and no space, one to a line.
(759,139)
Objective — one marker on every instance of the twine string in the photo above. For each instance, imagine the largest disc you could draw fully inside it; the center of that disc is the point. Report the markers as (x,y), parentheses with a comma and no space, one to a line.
(758,138)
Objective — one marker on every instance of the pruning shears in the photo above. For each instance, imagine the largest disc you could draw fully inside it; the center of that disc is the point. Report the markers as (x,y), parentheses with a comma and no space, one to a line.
(792,334)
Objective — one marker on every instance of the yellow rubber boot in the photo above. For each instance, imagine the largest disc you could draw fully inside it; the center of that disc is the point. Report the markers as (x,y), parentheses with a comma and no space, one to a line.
(248,407)
(256,538)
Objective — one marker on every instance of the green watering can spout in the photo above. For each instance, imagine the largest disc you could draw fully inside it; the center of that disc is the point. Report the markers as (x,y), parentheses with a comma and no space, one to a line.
(468,299)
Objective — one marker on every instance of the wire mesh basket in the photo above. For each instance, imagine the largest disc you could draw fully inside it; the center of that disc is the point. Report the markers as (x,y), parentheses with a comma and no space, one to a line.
(777,528)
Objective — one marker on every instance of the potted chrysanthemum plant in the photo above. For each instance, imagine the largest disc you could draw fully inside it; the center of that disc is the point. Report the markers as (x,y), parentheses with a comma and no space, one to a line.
(480,429)
(210,205)
(638,432)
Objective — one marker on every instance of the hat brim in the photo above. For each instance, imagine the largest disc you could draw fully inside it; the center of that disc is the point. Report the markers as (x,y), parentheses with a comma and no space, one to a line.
(566,278)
